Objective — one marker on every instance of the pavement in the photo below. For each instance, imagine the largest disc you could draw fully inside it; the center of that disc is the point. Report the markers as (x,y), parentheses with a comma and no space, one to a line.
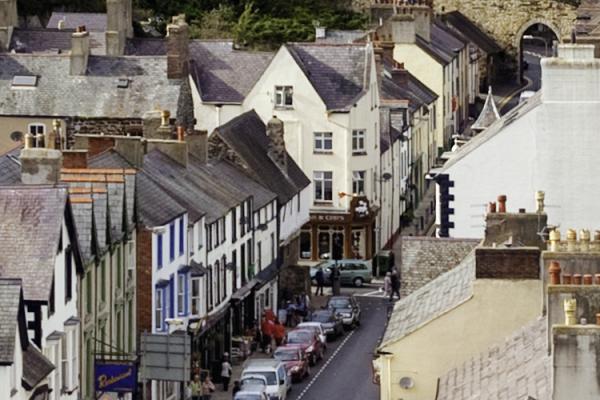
(345,371)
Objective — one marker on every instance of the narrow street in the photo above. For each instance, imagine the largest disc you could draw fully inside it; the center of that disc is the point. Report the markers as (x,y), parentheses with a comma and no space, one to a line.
(345,373)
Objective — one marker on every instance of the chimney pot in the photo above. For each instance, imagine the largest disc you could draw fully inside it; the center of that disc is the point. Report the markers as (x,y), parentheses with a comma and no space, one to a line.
(597,319)
(571,240)
(180,133)
(555,240)
(583,321)
(502,203)
(588,279)
(539,199)
(584,236)
(554,272)
(570,306)
(492,207)
(165,115)
(577,279)
(566,279)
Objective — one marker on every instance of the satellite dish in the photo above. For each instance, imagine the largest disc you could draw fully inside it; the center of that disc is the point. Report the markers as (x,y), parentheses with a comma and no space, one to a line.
(16,136)
(406,383)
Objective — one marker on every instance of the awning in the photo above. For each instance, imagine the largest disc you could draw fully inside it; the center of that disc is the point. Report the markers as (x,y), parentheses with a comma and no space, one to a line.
(267,275)
(244,291)
(196,269)
(199,327)
(162,283)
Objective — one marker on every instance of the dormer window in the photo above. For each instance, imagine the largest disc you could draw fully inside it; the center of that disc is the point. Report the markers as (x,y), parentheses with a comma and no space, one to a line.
(24,81)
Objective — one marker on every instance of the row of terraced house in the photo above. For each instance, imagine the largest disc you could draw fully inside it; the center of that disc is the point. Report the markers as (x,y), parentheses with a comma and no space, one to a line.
(163,185)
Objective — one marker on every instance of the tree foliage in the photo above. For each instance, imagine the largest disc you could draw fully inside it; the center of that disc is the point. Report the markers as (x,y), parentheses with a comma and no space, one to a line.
(253,23)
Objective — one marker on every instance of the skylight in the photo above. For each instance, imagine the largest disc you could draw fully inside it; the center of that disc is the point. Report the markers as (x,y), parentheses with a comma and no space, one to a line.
(24,81)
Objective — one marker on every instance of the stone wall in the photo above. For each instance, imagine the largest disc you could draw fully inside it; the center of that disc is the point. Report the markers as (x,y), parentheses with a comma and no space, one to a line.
(507,20)
(102,126)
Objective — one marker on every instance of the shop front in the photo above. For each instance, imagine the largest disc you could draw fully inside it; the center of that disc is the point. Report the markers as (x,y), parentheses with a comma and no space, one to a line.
(211,338)
(339,235)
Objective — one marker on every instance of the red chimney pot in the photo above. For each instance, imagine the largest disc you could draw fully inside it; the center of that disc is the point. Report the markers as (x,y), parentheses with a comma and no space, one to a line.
(588,279)
(502,203)
(554,272)
(577,279)
(566,279)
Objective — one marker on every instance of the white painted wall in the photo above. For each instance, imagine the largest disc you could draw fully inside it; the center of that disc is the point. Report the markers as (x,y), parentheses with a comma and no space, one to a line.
(210,115)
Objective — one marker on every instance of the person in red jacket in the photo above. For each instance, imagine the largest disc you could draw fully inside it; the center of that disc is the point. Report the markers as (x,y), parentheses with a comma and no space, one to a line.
(266,326)
(278,332)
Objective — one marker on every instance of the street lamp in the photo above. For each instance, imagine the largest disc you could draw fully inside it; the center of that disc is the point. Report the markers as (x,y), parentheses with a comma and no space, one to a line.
(531,37)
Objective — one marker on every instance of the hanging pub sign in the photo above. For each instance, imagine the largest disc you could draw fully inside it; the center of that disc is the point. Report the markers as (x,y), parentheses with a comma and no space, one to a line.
(115,376)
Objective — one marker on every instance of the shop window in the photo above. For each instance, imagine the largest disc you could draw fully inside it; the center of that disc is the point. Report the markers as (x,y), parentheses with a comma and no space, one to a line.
(331,242)
(323,182)
(305,245)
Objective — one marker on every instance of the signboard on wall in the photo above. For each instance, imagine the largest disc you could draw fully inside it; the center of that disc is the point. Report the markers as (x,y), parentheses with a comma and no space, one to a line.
(165,357)
(115,376)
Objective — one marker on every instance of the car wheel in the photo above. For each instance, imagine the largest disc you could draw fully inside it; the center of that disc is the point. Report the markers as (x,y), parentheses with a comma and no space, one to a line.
(358,282)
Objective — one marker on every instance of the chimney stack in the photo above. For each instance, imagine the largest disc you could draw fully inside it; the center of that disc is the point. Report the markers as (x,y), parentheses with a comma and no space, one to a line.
(80,51)
(178,37)
(8,19)
(411,20)
(276,150)
(118,26)
(40,166)
(320,32)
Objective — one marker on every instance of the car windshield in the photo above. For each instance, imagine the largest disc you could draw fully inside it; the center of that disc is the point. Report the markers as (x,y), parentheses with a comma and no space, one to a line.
(271,377)
(286,355)
(339,303)
(248,396)
(321,317)
(253,382)
(312,328)
(298,337)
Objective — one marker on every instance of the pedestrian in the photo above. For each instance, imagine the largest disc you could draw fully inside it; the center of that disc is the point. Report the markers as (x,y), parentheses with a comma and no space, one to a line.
(196,388)
(278,333)
(207,388)
(237,386)
(395,284)
(225,372)
(266,327)
(387,284)
(320,278)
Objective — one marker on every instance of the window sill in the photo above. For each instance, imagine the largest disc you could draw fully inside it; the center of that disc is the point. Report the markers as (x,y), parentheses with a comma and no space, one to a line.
(359,153)
(323,152)
(282,108)
(323,203)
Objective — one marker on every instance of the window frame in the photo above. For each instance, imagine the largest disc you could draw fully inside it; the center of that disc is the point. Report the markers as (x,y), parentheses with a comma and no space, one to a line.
(322,182)
(320,141)
(159,309)
(359,139)
(181,294)
(68,274)
(359,181)
(172,241)
(198,297)
(159,250)
(181,236)
(282,94)
(36,125)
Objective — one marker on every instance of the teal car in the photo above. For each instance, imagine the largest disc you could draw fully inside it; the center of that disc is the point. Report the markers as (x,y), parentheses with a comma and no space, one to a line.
(352,272)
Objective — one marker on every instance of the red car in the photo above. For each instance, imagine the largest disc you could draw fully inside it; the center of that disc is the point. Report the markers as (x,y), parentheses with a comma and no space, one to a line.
(308,341)
(295,361)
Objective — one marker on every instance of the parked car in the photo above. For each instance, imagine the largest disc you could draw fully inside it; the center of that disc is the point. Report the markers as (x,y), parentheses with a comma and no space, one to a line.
(317,328)
(294,360)
(332,323)
(278,382)
(308,341)
(253,387)
(352,272)
(251,395)
(347,308)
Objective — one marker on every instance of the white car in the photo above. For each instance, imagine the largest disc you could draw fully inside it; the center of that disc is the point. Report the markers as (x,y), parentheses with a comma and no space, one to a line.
(278,382)
(318,328)
(250,395)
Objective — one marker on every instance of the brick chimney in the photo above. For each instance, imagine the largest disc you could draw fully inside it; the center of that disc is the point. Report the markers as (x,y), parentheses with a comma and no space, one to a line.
(8,19)
(413,18)
(276,150)
(40,165)
(80,51)
(118,26)
(178,38)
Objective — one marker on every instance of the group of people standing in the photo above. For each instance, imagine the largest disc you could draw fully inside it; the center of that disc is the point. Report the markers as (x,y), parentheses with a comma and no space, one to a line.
(391,284)
(202,389)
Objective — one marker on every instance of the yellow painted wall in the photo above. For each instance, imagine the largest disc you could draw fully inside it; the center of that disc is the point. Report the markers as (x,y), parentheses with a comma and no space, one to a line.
(428,71)
(9,125)
(496,310)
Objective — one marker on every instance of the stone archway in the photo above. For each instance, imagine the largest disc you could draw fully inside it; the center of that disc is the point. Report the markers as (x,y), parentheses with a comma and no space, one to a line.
(518,40)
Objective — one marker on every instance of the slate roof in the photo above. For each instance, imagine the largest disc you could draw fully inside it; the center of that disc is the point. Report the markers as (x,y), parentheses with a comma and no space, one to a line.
(10,167)
(31,220)
(82,215)
(94,22)
(423,259)
(246,135)
(35,366)
(52,41)
(155,207)
(10,300)
(427,303)
(146,46)
(489,114)
(393,87)
(93,95)
(223,74)
(338,72)
(443,46)
(518,368)
(470,30)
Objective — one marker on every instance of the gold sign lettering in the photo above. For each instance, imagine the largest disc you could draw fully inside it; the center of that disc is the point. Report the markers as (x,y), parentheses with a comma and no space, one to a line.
(104,380)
